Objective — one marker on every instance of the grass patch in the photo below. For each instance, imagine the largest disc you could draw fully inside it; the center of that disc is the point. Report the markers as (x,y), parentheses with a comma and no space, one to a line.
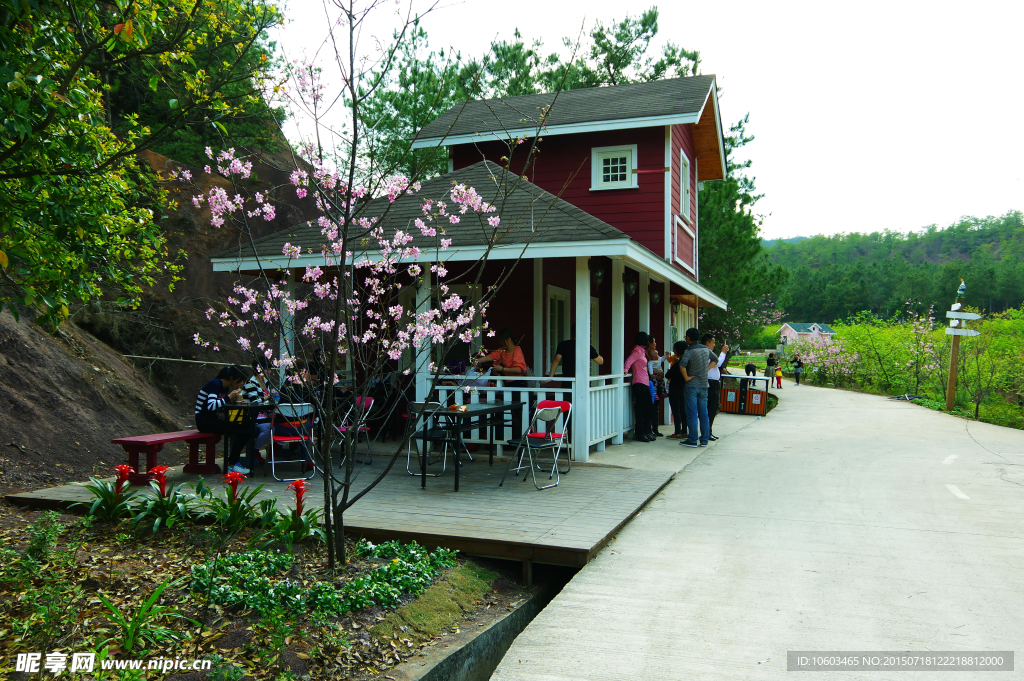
(438,608)
(773,401)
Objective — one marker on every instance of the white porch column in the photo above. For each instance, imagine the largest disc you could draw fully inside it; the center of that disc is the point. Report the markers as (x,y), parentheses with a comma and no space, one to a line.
(286,344)
(645,302)
(581,392)
(540,362)
(421,363)
(666,348)
(618,349)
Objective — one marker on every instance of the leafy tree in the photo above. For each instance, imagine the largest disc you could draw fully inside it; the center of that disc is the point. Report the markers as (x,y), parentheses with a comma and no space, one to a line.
(77,209)
(731,258)
(422,84)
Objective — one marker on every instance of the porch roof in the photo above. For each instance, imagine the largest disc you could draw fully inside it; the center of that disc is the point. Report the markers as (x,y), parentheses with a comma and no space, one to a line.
(534,224)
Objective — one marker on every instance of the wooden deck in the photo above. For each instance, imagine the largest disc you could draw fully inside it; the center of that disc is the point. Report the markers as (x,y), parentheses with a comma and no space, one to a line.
(564,525)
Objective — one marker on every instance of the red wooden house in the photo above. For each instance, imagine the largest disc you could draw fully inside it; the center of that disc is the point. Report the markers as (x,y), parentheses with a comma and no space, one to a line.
(606,225)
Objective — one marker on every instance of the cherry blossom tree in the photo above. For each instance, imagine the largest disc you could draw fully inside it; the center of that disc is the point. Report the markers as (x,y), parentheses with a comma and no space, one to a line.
(346,309)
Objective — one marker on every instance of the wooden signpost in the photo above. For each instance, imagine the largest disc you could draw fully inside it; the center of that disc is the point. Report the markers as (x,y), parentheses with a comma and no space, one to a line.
(954,353)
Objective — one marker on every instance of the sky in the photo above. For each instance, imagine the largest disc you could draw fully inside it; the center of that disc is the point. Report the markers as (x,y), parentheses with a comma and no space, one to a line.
(866,116)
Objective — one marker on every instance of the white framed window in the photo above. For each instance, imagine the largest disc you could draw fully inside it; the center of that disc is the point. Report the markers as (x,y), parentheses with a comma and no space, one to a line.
(613,167)
(558,320)
(684,186)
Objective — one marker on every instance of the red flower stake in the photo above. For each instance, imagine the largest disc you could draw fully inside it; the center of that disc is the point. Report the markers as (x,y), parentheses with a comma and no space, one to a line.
(123,471)
(300,487)
(233,479)
(159,474)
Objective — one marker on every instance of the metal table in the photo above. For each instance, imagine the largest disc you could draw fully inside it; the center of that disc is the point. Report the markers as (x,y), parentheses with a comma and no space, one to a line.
(456,423)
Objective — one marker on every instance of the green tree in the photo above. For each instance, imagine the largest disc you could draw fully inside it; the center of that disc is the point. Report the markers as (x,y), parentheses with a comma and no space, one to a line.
(78,210)
(733,264)
(423,83)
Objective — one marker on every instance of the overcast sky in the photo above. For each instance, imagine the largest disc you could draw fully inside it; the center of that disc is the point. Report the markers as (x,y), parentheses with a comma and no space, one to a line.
(867,116)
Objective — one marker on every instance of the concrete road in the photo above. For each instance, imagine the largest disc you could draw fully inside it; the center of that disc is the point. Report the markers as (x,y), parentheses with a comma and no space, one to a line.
(839,522)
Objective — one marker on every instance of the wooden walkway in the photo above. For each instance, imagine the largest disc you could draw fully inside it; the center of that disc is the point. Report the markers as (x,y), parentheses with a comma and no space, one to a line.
(564,525)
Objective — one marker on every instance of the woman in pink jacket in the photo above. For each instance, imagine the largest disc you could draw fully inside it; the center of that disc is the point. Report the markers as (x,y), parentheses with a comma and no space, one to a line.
(640,388)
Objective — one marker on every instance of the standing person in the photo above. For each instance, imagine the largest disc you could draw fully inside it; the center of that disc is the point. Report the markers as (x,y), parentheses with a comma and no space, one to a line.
(715,367)
(639,388)
(695,372)
(676,383)
(565,354)
(656,376)
(798,368)
(227,387)
(778,375)
(769,365)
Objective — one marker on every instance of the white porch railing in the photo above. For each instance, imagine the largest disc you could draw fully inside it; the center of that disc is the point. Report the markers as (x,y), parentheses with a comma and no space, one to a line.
(608,416)
(606,401)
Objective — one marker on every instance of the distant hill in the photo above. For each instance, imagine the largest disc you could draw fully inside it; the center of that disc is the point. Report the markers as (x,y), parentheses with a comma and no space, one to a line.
(791,240)
(833,277)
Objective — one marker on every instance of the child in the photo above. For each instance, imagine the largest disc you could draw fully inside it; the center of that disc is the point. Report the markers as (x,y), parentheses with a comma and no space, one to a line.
(778,375)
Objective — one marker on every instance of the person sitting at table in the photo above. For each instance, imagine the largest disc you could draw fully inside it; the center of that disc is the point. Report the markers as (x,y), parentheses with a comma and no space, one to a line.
(227,387)
(258,389)
(508,358)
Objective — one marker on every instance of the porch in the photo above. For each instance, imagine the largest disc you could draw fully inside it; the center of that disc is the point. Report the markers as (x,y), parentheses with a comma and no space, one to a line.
(566,525)
(613,290)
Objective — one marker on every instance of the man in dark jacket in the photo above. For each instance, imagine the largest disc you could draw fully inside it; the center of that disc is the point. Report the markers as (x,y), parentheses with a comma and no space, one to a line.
(676,383)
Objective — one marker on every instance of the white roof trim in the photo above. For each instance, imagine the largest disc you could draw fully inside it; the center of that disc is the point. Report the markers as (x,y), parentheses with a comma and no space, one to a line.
(588,126)
(623,247)
(721,135)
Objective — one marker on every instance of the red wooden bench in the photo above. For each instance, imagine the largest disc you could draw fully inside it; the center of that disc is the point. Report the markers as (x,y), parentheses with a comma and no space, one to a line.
(151,444)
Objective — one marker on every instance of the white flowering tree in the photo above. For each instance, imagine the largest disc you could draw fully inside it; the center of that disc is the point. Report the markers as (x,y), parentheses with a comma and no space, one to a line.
(346,308)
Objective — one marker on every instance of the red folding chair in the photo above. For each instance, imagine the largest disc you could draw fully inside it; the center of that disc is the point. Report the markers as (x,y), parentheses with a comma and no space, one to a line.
(561,438)
(299,419)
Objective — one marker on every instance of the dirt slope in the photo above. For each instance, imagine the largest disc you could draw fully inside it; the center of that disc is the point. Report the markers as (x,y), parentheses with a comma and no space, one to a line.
(62,399)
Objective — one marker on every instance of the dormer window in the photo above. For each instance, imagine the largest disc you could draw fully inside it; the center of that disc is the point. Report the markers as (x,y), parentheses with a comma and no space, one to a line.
(613,168)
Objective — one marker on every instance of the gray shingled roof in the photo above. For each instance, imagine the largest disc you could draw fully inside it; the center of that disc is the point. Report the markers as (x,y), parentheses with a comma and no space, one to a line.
(676,96)
(526,208)
(805,327)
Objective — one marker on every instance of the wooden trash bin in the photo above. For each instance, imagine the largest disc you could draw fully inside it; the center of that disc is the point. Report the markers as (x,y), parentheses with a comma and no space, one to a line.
(730,401)
(757,402)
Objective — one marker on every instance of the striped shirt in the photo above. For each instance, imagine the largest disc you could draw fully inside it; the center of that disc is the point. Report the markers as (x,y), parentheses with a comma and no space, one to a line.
(212,397)
(637,360)
(253,391)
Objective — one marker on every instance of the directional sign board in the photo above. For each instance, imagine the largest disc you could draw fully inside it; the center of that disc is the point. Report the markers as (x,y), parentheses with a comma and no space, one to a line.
(962,332)
(963,315)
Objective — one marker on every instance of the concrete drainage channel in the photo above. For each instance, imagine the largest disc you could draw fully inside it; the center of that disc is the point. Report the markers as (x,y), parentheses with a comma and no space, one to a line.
(474,655)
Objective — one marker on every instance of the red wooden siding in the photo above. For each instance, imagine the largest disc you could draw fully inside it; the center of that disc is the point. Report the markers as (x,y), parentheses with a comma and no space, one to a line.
(639,212)
(682,140)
